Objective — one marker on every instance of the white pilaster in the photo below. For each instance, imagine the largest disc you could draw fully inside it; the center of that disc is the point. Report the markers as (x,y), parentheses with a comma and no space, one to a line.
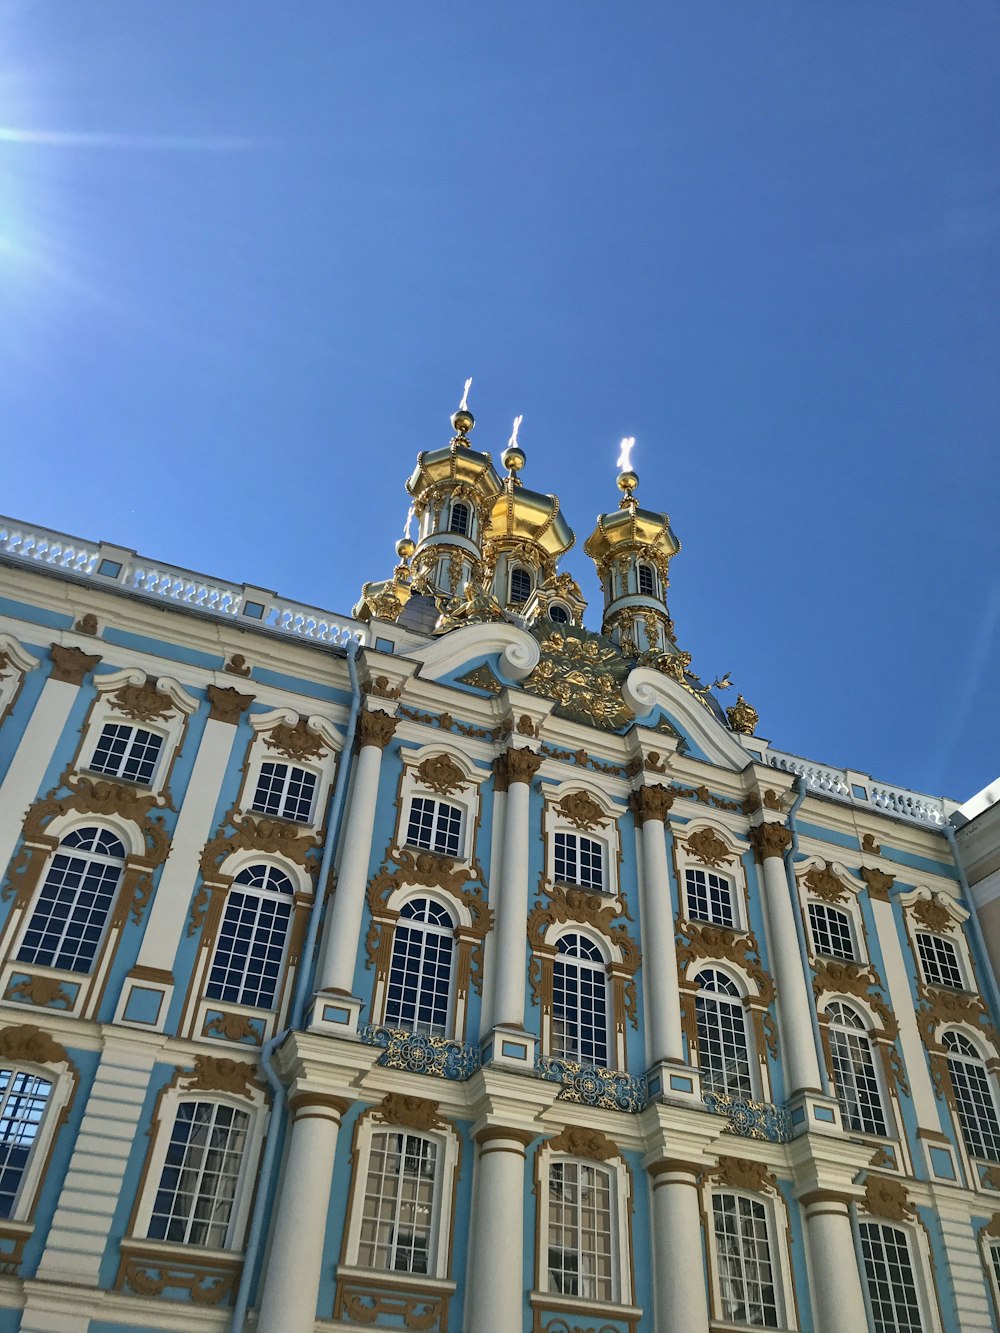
(663,1017)
(496,1293)
(835,1281)
(679,1291)
(798,1045)
(79,1233)
(519,767)
(291,1284)
(343,929)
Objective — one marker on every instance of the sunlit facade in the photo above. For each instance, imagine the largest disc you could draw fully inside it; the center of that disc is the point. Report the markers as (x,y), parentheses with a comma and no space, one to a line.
(451,965)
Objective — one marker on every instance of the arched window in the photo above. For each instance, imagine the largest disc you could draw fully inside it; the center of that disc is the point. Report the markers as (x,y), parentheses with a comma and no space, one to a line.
(580,1002)
(647,580)
(723,1048)
(423,946)
(831,931)
(974,1098)
(247,963)
(459,519)
(892,1287)
(520,586)
(23,1099)
(558,614)
(201,1173)
(72,908)
(854,1074)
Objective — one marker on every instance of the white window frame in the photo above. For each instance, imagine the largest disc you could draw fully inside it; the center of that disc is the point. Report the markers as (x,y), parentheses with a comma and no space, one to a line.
(920,1266)
(640,565)
(829,909)
(260,753)
(620,1250)
(885,1101)
(579,838)
(63,1080)
(730,867)
(444,1189)
(166,1116)
(266,894)
(707,871)
(778,1250)
(605,831)
(519,569)
(135,728)
(753,1056)
(961,965)
(438,805)
(465,796)
(849,904)
(291,770)
(610,1043)
(106,711)
(991,1083)
(468,534)
(432,929)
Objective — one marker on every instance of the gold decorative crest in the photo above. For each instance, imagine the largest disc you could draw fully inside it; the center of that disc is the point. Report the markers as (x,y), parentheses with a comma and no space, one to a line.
(583,674)
(581,810)
(580,1142)
(220,1075)
(440,773)
(143,703)
(706,845)
(296,743)
(743,717)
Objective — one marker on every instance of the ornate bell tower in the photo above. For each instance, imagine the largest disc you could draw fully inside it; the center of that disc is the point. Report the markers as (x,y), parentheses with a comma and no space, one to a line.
(632,549)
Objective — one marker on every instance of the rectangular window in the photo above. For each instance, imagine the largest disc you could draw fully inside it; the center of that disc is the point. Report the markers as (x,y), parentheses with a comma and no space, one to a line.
(399,1204)
(831,932)
(709,898)
(746,1271)
(888,1271)
(194,1203)
(579,861)
(286,791)
(23,1098)
(580,1230)
(939,961)
(435,826)
(127,752)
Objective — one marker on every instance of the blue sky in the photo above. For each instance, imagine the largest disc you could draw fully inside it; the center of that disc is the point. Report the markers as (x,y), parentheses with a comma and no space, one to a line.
(250,251)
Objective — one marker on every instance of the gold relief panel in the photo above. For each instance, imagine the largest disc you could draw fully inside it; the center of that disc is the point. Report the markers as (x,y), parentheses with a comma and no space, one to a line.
(152,1270)
(366,1301)
(418,1113)
(298,743)
(143,702)
(71,665)
(741,1173)
(580,810)
(888,1199)
(577,1141)
(220,1074)
(879,883)
(440,773)
(707,847)
(825,885)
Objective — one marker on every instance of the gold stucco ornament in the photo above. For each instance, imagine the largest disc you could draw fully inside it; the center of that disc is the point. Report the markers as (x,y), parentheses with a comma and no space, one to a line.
(583,673)
(743,717)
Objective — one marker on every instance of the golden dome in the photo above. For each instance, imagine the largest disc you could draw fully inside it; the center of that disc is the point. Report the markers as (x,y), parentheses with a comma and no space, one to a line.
(455,464)
(631,529)
(521,515)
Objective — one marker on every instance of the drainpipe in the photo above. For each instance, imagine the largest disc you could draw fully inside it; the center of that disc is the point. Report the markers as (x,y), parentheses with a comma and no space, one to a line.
(802,791)
(302,986)
(977,930)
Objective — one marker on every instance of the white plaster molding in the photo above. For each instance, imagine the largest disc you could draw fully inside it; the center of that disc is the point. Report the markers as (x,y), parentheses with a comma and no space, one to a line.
(414,757)
(646,689)
(519,651)
(177,694)
(852,883)
(20,657)
(923,894)
(276,717)
(113,680)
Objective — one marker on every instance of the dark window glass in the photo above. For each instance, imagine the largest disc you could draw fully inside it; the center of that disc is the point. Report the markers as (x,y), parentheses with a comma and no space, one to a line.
(520,586)
(248,956)
(69,917)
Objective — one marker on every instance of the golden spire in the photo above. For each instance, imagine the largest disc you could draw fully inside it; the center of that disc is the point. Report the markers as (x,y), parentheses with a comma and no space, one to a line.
(463,421)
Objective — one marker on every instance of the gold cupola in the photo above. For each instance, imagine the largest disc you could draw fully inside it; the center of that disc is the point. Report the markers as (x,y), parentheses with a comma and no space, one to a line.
(525,536)
(632,549)
(453,491)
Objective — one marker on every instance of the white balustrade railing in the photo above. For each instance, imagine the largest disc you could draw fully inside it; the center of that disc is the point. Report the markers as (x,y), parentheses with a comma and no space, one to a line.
(859,789)
(104,565)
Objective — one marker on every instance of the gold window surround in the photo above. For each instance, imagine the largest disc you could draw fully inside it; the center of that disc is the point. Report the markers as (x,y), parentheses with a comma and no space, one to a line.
(307,741)
(157,704)
(80,801)
(832,885)
(15,665)
(709,844)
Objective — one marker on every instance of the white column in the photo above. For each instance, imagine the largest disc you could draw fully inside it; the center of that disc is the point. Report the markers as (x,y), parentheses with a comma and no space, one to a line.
(679,1291)
(41,736)
(798,1046)
(171,904)
(650,806)
(838,1303)
(518,767)
(291,1284)
(496,1264)
(343,928)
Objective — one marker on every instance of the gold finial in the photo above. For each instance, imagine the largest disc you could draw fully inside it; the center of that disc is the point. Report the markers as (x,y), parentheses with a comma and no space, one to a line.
(743,717)
(513,456)
(463,421)
(627,479)
(405,548)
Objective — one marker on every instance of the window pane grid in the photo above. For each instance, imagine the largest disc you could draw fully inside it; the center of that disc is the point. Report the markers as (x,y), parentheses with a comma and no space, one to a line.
(248,957)
(579,1003)
(286,791)
(419,991)
(856,1081)
(746,1273)
(580,1231)
(72,908)
(831,931)
(579,861)
(723,1051)
(892,1290)
(127,752)
(23,1098)
(460,519)
(709,897)
(194,1202)
(520,586)
(977,1112)
(939,960)
(398,1209)
(435,826)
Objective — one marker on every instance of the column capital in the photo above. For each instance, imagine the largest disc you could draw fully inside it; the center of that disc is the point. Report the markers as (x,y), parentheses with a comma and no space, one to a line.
(770,840)
(515,765)
(651,802)
(491,1133)
(70,665)
(817,1196)
(227,704)
(675,1166)
(376,729)
(323,1104)
(878,881)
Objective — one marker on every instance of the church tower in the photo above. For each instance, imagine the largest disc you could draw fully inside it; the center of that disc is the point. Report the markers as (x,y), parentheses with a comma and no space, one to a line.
(632,549)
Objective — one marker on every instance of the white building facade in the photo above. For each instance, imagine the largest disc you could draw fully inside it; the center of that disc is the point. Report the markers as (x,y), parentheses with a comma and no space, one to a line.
(452,966)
